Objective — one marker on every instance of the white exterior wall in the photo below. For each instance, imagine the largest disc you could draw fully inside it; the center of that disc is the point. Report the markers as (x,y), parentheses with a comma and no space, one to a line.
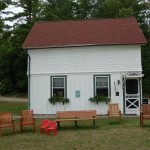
(86,59)
(79,64)
(40,92)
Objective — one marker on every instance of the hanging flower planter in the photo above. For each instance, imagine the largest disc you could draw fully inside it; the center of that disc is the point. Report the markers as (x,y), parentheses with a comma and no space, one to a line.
(55,99)
(100,98)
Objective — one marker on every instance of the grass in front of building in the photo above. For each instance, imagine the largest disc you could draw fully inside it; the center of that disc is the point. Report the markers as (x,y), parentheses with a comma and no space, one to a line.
(107,136)
(14,107)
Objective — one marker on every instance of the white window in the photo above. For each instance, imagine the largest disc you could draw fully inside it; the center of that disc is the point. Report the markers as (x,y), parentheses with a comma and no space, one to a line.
(102,86)
(58,86)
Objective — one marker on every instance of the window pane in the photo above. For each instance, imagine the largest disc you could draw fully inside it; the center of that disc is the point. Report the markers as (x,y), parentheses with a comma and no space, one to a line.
(102,86)
(58,82)
(103,92)
(58,92)
(101,81)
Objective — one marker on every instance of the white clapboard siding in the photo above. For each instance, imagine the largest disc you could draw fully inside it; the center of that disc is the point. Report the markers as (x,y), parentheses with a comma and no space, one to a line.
(86,59)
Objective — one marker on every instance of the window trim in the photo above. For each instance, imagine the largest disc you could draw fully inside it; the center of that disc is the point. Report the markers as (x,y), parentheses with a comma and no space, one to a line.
(109,84)
(65,84)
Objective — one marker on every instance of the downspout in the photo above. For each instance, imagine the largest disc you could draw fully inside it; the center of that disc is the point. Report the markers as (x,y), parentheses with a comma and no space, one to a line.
(29,60)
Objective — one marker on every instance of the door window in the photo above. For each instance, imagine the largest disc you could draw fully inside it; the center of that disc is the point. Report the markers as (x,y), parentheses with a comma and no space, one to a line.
(132,86)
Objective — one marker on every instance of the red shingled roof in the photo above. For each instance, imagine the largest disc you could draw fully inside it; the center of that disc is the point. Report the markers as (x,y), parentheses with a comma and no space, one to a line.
(84,32)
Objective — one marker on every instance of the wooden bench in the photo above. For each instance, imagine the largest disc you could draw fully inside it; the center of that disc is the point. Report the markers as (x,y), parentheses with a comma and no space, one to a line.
(76,116)
(144,113)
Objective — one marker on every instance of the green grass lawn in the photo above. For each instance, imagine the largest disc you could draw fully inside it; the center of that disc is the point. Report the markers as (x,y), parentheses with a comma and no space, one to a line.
(14,107)
(127,136)
(107,136)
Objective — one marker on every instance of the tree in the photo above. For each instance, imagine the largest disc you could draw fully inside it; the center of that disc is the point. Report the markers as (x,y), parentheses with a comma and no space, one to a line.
(111,8)
(30,13)
(58,10)
(85,8)
(13,59)
(2,7)
(126,12)
(146,53)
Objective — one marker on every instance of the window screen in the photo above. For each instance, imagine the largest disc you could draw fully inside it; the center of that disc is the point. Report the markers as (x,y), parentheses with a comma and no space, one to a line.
(58,86)
(102,86)
(132,86)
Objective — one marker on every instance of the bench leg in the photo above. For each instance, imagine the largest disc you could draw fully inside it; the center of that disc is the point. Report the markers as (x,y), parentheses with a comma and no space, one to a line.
(58,124)
(13,129)
(34,127)
(120,118)
(94,124)
(21,128)
(0,132)
(140,120)
(142,124)
(76,125)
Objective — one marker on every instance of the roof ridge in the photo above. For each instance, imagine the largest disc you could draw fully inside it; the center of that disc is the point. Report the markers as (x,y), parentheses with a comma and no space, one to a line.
(85,19)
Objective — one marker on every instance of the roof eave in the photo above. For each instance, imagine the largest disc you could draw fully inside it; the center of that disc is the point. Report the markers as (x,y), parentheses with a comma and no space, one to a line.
(81,45)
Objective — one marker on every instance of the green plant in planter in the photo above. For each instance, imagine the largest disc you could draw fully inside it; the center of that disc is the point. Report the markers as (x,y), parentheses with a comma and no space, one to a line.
(100,98)
(55,99)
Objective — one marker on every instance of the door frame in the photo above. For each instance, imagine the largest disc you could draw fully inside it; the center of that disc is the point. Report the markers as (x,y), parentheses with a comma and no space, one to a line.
(132,76)
(132,99)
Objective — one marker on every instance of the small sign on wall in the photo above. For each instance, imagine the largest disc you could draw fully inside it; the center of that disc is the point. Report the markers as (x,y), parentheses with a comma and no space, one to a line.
(117,93)
(77,93)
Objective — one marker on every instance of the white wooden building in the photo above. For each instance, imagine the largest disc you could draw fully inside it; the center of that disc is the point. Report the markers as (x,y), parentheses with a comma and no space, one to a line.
(83,58)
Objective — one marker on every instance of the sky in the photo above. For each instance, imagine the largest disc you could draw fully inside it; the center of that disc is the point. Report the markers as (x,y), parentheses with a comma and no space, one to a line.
(13,9)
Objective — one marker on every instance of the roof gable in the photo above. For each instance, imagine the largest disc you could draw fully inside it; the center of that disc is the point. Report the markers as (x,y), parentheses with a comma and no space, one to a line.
(84,32)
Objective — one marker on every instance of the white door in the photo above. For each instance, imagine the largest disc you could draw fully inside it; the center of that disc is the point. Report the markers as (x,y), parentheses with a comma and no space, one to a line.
(132,96)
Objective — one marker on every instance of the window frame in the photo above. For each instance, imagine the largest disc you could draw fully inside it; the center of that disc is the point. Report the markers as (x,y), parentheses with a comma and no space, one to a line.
(65,84)
(109,83)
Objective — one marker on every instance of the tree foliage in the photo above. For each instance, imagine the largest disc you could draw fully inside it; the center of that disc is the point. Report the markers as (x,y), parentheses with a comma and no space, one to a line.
(13,59)
(58,10)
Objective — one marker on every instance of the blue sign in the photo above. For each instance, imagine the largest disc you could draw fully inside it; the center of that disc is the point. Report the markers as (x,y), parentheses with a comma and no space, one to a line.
(77,93)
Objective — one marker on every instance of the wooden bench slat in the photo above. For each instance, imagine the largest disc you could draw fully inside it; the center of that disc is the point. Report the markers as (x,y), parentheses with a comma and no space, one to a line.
(76,119)
(76,113)
(73,116)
